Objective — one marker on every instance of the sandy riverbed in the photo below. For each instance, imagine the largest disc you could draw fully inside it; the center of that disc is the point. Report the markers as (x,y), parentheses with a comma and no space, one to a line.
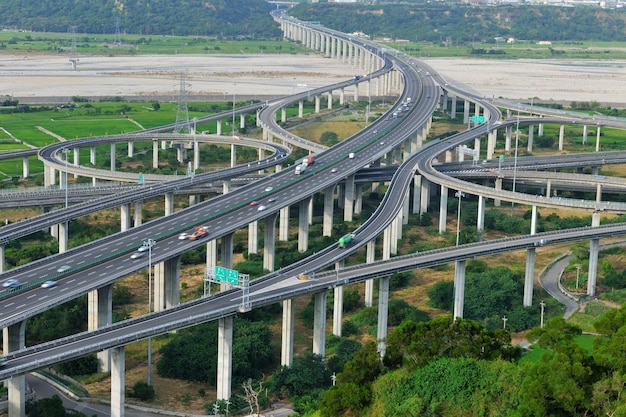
(35,76)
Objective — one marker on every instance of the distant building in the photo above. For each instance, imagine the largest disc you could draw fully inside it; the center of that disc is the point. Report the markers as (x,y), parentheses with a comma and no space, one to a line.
(544,43)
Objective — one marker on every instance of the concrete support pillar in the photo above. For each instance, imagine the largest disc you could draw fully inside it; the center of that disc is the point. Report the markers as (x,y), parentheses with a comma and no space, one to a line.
(585,129)
(13,340)
(370,256)
(286,351)
(303,224)
(592,273)
(329,203)
(155,153)
(480,220)
(113,156)
(167,284)
(417,186)
(224,357)
(540,130)
(533,220)
(531,130)
(453,108)
(269,244)
(459,288)
(233,155)
(226,186)
(300,109)
(63,237)
(218,127)
(283,114)
(100,314)
(283,224)
(425,196)
(443,209)
(2,265)
(317,104)
(507,141)
(118,382)
(358,200)
(338,305)
(561,135)
(319,324)
(211,253)
(92,155)
(466,111)
(25,167)
(227,250)
(253,237)
(598,139)
(383,313)
(125,217)
(169,203)
(138,218)
(348,207)
(529,277)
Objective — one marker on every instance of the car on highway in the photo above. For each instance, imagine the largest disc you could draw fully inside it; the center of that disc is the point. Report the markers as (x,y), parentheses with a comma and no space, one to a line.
(261,208)
(183,236)
(11,283)
(49,284)
(143,248)
(271,200)
(136,255)
(64,268)
(269,188)
(333,170)
(254,203)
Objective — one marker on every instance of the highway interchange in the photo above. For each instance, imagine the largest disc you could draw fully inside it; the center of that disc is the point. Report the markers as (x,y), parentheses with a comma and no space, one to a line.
(105,261)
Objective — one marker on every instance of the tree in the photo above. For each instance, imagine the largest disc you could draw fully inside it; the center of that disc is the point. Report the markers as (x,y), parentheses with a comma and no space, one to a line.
(251,396)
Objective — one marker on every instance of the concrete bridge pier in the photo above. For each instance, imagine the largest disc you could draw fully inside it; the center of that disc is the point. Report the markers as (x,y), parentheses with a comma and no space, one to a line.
(253,237)
(63,236)
(443,209)
(2,259)
(155,153)
(25,167)
(329,204)
(113,157)
(594,249)
(138,218)
(529,277)
(100,314)
(338,304)
(224,357)
(167,284)
(286,351)
(283,224)
(348,207)
(598,138)
(211,253)
(303,224)
(218,127)
(269,246)
(319,324)
(459,288)
(169,203)
(118,370)
(370,256)
(417,186)
(227,250)
(466,112)
(498,187)
(480,221)
(425,195)
(585,130)
(507,140)
(383,313)
(453,107)
(561,135)
(13,340)
(531,130)
(125,217)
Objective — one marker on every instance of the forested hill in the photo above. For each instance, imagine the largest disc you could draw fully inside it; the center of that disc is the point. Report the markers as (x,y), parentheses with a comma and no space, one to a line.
(460,23)
(227,18)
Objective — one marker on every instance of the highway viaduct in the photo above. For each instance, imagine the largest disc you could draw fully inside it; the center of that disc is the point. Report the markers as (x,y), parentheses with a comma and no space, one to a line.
(319,339)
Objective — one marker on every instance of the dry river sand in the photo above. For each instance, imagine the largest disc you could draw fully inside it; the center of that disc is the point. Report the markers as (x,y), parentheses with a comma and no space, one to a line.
(32,78)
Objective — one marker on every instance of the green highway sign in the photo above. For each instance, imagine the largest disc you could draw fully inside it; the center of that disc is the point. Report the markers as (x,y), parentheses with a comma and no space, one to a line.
(229,276)
(478,119)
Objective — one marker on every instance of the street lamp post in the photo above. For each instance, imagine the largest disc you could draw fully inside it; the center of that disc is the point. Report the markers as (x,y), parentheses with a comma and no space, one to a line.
(149,243)
(458,194)
(504,320)
(65,184)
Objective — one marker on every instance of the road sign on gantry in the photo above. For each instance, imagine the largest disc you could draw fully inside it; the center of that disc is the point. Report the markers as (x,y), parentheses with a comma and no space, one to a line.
(229,276)
(478,119)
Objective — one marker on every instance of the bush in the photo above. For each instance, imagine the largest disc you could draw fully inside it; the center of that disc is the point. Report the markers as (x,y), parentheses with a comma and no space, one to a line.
(141,391)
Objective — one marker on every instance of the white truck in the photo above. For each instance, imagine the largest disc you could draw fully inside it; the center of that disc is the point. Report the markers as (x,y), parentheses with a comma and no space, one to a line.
(300,169)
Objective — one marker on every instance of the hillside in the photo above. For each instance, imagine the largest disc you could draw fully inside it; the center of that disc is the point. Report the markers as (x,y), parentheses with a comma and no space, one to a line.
(224,18)
(463,24)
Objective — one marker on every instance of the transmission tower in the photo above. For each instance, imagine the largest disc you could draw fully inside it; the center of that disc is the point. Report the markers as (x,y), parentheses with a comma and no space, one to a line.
(73,52)
(118,39)
(182,114)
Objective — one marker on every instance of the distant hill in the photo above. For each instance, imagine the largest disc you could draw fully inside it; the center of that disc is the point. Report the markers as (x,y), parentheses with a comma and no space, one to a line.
(462,23)
(225,18)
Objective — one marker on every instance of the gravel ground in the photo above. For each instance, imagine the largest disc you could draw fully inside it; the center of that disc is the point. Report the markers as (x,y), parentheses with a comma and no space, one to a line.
(33,78)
